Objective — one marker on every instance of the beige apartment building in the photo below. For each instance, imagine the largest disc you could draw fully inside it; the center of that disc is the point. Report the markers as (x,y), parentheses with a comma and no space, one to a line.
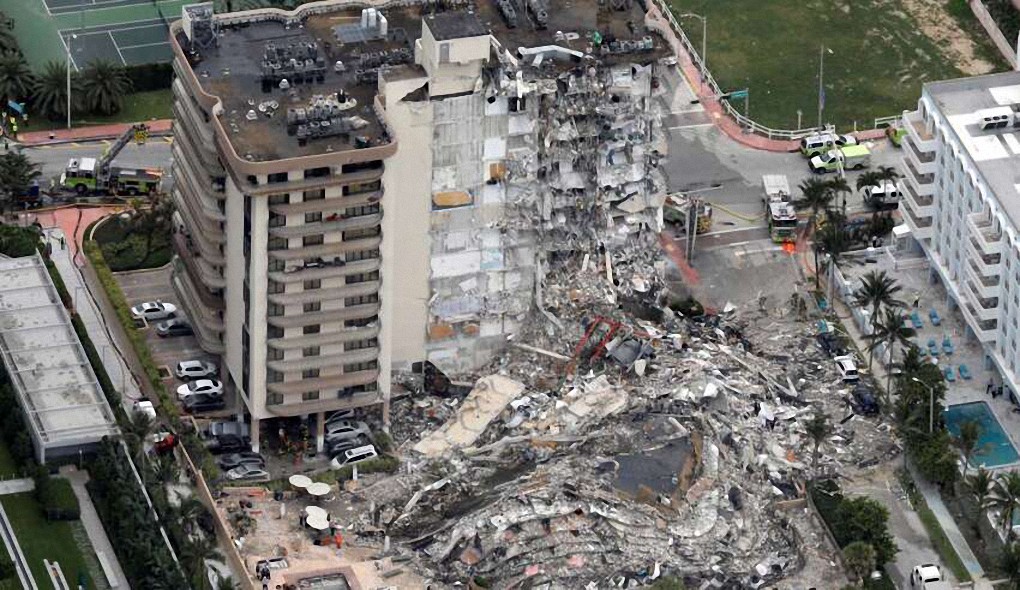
(362,189)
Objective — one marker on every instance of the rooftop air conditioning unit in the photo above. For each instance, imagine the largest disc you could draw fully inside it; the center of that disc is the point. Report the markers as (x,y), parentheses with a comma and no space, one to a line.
(995,118)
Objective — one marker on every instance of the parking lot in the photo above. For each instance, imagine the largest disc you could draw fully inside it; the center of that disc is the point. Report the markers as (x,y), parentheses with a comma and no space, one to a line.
(153,285)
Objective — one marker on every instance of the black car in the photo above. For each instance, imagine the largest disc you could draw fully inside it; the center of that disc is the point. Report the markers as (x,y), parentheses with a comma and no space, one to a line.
(342,445)
(831,343)
(228,443)
(863,400)
(203,402)
(228,462)
(174,327)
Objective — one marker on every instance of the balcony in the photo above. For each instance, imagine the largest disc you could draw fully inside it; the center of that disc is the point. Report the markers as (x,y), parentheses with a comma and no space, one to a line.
(327,227)
(210,234)
(920,227)
(924,162)
(987,287)
(355,312)
(197,266)
(987,240)
(207,335)
(325,271)
(984,330)
(299,407)
(331,294)
(324,338)
(986,265)
(317,182)
(921,207)
(328,204)
(985,309)
(918,132)
(328,382)
(208,300)
(325,361)
(208,164)
(326,251)
(912,171)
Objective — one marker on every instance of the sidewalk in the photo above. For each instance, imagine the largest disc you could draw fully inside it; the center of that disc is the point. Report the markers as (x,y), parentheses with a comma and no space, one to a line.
(95,325)
(94,528)
(931,495)
(717,113)
(16,486)
(90,133)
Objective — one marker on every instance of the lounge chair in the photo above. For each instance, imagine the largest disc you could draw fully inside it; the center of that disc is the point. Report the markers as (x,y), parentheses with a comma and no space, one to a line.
(933,349)
(947,345)
(934,316)
(950,375)
(915,318)
(965,373)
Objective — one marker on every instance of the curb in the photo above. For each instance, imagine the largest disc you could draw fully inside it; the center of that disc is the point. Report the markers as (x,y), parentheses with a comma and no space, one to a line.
(84,139)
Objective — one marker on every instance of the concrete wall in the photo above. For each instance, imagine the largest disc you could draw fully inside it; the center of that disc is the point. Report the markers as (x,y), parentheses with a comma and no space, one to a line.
(1005,47)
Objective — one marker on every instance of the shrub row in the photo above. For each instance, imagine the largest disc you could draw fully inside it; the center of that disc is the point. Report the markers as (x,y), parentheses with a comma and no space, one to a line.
(854,519)
(152,76)
(55,496)
(134,534)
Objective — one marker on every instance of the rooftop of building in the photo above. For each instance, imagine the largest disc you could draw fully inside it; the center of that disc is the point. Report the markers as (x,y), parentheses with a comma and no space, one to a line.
(336,51)
(44,360)
(995,152)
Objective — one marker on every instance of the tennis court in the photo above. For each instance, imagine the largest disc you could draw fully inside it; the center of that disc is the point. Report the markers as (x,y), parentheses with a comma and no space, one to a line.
(69,6)
(132,43)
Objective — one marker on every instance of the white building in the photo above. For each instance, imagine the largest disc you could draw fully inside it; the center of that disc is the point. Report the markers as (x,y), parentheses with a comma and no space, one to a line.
(360,189)
(961,185)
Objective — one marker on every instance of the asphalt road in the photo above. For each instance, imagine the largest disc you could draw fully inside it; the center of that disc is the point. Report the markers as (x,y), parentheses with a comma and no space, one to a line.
(154,153)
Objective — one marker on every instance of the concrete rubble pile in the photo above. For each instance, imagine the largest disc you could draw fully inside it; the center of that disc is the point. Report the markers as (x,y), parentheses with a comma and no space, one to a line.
(660,444)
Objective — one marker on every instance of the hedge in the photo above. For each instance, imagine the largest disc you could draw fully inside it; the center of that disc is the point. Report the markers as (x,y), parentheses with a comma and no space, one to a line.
(150,76)
(55,496)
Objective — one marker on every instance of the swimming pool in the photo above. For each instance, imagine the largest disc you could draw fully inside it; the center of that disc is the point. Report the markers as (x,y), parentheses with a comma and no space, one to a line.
(994,448)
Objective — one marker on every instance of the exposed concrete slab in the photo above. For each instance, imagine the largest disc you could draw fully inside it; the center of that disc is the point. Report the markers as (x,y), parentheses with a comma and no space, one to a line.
(490,395)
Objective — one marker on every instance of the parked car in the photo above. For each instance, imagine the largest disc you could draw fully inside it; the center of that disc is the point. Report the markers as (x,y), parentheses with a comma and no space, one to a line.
(928,576)
(847,367)
(166,444)
(340,446)
(863,399)
(339,416)
(882,196)
(228,444)
(241,429)
(815,145)
(153,310)
(353,456)
(201,402)
(346,429)
(143,405)
(831,343)
(248,473)
(174,327)
(195,369)
(228,462)
(206,386)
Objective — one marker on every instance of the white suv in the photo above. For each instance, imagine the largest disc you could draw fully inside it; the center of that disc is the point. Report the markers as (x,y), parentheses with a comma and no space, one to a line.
(928,576)
(847,367)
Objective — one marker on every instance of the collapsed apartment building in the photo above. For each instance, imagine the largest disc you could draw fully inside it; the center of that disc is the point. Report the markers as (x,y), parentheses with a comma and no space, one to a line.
(361,189)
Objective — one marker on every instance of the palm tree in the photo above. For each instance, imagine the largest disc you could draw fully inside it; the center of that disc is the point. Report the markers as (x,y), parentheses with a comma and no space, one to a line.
(816,196)
(193,555)
(878,289)
(103,86)
(167,470)
(817,428)
(839,190)
(16,80)
(1005,498)
(890,330)
(859,558)
(967,442)
(833,240)
(979,484)
(17,173)
(1009,563)
(50,92)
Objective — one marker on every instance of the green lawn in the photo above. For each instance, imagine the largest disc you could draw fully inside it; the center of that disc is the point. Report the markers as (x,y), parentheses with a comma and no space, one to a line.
(138,107)
(41,539)
(879,57)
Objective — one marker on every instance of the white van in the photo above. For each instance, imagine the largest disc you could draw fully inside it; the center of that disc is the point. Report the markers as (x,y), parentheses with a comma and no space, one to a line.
(815,145)
(882,196)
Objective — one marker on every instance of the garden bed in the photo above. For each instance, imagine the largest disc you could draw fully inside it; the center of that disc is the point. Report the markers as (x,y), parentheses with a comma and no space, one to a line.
(126,247)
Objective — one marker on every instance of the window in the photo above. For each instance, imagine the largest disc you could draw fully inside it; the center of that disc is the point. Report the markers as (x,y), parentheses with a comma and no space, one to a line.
(274,354)
(365,366)
(361,322)
(315,240)
(274,310)
(313,217)
(317,172)
(359,188)
(361,344)
(277,244)
(310,374)
(444,53)
(359,166)
(277,177)
(310,351)
(252,180)
(362,277)
(312,284)
(361,300)
(360,211)
(368,232)
(281,199)
(276,266)
(274,332)
(274,376)
(314,329)
(277,220)
(274,399)
(275,288)
(316,195)
(362,255)
(313,306)
(309,396)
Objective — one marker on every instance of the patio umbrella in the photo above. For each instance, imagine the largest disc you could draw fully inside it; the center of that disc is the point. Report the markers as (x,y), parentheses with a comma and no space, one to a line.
(315,512)
(318,489)
(300,481)
(317,522)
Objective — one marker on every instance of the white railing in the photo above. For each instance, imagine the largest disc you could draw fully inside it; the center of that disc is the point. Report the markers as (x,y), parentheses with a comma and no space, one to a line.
(748,124)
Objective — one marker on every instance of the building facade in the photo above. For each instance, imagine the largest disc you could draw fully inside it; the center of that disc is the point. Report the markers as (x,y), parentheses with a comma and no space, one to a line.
(360,189)
(961,202)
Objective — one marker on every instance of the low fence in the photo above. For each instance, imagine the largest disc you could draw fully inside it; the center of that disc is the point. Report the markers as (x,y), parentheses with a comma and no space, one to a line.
(984,17)
(747,123)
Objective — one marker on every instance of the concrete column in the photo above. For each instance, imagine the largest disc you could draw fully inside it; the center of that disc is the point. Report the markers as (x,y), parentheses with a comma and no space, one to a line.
(386,414)
(255,423)
(320,432)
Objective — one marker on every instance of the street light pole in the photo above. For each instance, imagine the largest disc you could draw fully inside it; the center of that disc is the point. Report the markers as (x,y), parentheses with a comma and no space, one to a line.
(704,39)
(821,82)
(931,404)
(69,39)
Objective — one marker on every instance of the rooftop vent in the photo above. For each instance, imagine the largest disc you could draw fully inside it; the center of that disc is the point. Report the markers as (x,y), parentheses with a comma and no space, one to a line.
(995,118)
